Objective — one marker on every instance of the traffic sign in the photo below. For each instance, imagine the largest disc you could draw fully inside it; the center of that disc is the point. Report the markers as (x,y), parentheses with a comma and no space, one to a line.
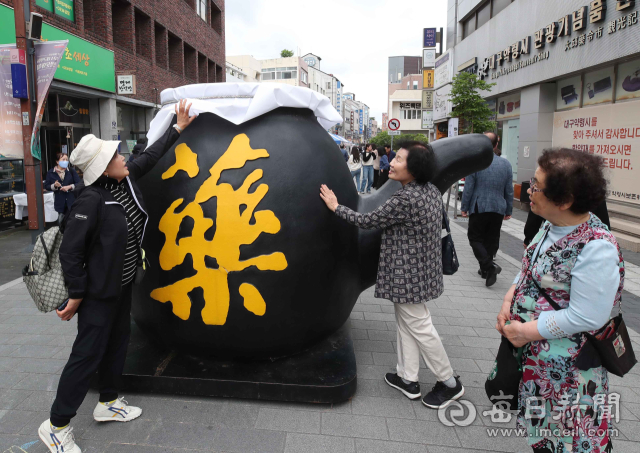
(394,124)
(394,132)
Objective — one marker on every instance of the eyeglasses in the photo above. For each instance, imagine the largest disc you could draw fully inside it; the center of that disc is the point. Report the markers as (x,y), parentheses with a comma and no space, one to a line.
(534,186)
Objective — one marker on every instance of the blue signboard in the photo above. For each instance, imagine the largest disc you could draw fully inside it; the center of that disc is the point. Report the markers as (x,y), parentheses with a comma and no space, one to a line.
(429,37)
(361,115)
(338,84)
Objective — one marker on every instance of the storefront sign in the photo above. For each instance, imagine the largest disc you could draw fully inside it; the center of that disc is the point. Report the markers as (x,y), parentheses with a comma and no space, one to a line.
(452,129)
(575,22)
(441,103)
(427,78)
(429,37)
(444,69)
(410,106)
(83,63)
(64,8)
(427,100)
(611,131)
(427,119)
(126,84)
(428,58)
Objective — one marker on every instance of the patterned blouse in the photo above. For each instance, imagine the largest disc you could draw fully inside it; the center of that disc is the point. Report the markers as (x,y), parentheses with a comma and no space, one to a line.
(410,266)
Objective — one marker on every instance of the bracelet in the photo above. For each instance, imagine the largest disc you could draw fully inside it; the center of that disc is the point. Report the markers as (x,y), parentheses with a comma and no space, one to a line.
(178,128)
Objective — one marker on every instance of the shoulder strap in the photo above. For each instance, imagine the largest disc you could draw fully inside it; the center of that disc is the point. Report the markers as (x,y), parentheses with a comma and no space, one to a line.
(445,220)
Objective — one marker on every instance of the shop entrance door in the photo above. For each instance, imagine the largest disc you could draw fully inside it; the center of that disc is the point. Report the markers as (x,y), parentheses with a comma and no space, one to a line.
(509,133)
(55,141)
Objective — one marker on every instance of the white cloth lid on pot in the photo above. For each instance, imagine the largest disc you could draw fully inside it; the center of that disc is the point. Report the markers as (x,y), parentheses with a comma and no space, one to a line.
(241,102)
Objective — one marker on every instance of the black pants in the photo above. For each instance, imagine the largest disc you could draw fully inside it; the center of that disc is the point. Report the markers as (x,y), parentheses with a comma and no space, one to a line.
(376,177)
(384,177)
(101,345)
(484,236)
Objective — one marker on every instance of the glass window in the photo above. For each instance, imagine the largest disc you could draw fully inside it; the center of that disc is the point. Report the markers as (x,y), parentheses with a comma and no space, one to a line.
(484,14)
(419,114)
(499,5)
(267,76)
(469,26)
(415,84)
(201,9)
(414,114)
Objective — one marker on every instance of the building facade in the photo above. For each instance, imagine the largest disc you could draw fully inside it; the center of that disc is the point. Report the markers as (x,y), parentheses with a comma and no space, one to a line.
(160,44)
(403,66)
(567,75)
(326,84)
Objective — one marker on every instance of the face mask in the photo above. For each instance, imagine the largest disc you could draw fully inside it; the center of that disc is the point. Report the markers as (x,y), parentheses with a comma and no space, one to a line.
(63,163)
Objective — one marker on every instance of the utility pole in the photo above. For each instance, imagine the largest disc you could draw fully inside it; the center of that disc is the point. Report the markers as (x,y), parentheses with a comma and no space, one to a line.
(33,174)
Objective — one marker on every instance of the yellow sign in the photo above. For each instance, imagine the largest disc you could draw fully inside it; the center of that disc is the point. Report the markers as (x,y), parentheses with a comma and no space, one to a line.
(233,229)
(427,78)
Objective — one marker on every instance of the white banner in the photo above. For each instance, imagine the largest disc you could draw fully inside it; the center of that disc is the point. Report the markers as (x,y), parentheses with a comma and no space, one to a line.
(427,119)
(611,131)
(444,69)
(441,104)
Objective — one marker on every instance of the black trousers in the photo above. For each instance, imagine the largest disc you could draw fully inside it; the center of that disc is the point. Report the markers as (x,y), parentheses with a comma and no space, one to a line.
(384,177)
(101,345)
(376,177)
(484,236)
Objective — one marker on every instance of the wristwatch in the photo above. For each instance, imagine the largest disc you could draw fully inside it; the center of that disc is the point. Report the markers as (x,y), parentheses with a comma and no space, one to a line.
(178,128)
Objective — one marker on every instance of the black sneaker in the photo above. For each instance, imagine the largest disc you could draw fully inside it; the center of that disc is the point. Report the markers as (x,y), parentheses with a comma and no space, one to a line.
(410,390)
(492,274)
(441,395)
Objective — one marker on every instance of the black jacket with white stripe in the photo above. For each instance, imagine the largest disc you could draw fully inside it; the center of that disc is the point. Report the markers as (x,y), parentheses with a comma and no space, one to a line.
(96,275)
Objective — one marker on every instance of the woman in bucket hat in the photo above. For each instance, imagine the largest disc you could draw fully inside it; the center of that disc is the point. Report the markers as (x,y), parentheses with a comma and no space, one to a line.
(99,254)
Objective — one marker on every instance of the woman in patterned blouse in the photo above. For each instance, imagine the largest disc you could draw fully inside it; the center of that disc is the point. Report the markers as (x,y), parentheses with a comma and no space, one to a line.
(410,270)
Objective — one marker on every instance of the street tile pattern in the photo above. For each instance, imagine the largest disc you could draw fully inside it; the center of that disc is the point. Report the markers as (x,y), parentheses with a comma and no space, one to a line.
(34,348)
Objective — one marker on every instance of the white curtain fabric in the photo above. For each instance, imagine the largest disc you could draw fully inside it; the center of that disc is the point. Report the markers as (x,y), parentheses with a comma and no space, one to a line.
(240,102)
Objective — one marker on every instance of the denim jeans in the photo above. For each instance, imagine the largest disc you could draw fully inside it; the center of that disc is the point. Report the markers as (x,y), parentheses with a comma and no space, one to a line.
(367,178)
(357,175)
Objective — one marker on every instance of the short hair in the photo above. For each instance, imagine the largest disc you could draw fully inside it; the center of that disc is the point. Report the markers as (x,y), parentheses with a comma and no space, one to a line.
(572,175)
(387,146)
(493,137)
(59,156)
(420,160)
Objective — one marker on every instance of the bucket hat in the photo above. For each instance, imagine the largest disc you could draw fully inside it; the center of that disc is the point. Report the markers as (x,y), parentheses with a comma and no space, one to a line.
(92,155)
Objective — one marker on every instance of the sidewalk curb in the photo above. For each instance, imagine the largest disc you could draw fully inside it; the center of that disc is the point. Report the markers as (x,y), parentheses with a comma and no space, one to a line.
(11,284)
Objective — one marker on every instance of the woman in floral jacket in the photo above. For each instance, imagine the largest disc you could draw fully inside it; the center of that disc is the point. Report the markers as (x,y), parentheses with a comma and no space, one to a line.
(563,402)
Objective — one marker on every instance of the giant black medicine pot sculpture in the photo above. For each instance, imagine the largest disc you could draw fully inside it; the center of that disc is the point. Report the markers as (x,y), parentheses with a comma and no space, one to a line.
(250,193)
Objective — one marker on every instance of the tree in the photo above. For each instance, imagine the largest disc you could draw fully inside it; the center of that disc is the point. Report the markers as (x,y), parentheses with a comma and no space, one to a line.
(286,53)
(468,104)
(383,138)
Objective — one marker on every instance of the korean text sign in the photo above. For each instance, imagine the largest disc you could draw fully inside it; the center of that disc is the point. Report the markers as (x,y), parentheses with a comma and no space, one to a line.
(612,132)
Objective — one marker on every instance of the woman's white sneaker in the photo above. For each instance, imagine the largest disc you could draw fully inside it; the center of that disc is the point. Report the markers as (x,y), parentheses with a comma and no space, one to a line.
(58,440)
(116,411)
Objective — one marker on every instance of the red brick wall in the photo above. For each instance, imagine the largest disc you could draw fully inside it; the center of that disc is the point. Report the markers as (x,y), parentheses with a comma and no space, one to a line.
(135,55)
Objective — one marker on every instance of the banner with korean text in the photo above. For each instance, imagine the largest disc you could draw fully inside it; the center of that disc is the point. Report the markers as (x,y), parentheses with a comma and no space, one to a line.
(611,131)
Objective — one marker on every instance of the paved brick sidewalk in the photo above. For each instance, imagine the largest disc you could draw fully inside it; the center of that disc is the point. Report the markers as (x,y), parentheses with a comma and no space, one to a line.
(34,348)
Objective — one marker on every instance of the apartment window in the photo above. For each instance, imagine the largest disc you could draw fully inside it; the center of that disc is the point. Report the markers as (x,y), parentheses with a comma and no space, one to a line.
(499,5)
(415,84)
(143,34)
(484,14)
(328,85)
(175,54)
(304,77)
(216,17)
(281,73)
(161,45)
(202,68)
(201,9)
(122,25)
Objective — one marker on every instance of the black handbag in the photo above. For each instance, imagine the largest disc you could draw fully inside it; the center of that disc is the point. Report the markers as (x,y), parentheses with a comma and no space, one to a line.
(450,262)
(503,383)
(610,347)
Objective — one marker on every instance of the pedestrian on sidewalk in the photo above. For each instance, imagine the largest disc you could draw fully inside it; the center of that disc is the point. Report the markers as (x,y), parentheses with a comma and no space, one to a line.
(367,169)
(110,215)
(376,166)
(138,149)
(577,262)
(355,165)
(63,182)
(344,152)
(410,270)
(487,201)
(385,162)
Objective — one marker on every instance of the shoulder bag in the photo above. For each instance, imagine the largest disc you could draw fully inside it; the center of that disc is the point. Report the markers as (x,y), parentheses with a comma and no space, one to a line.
(450,262)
